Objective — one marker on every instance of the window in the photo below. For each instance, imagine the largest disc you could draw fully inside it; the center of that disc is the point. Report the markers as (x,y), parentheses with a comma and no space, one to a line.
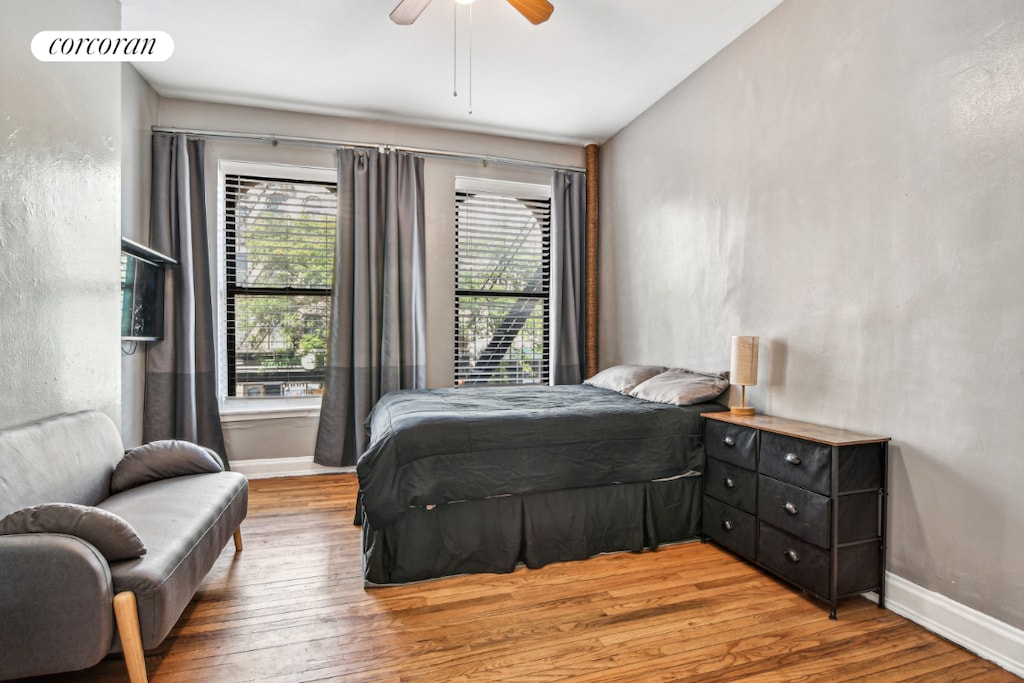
(278,268)
(502,283)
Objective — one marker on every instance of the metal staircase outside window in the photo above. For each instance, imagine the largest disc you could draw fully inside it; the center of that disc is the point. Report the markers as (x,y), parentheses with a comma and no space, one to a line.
(502,288)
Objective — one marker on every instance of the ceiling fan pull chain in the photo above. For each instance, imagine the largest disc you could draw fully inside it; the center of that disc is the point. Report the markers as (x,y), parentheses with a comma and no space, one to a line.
(455,49)
(471,59)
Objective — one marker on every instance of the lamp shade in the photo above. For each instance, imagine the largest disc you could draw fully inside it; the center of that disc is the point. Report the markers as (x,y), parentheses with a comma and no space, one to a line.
(744,361)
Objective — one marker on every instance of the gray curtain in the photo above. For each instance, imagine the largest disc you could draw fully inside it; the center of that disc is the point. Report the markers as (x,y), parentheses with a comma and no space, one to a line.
(181,370)
(568,208)
(377,337)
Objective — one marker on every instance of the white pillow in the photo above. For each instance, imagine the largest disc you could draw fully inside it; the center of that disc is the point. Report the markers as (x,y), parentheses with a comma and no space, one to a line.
(623,378)
(681,387)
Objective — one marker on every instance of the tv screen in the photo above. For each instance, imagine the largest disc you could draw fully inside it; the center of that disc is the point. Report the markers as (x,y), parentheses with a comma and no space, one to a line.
(141,298)
(142,291)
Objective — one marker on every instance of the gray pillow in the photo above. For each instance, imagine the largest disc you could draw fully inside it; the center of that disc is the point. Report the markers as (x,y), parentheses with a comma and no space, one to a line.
(623,378)
(112,535)
(162,460)
(681,387)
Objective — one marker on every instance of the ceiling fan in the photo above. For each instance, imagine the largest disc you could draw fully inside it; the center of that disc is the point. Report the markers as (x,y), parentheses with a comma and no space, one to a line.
(535,11)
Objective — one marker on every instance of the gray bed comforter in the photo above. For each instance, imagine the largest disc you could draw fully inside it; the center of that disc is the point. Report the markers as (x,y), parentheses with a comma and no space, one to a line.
(429,447)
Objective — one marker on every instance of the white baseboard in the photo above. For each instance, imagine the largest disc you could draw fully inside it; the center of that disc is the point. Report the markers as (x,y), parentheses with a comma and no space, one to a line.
(988,638)
(265,468)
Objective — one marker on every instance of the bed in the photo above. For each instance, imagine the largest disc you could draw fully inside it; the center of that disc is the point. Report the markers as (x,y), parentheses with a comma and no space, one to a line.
(481,479)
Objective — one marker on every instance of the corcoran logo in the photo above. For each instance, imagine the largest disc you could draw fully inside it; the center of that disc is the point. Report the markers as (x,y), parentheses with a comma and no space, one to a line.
(102,46)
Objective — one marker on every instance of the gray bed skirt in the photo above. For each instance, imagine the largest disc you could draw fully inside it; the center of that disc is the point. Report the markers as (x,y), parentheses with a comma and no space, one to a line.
(494,535)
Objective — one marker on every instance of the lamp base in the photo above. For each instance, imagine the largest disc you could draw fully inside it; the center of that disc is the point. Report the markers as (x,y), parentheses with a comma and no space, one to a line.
(744,411)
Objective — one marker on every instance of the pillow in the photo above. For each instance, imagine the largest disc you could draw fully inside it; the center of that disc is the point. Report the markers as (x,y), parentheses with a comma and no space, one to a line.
(681,387)
(623,378)
(162,460)
(112,535)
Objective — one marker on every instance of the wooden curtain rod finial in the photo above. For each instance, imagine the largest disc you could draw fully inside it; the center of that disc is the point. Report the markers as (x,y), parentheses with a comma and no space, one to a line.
(590,269)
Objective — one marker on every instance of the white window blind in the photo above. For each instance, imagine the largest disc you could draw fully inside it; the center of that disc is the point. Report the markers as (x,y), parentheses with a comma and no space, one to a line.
(279,259)
(502,288)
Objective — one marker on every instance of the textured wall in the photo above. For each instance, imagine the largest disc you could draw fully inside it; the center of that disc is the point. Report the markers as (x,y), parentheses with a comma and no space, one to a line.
(59,218)
(139,108)
(846,180)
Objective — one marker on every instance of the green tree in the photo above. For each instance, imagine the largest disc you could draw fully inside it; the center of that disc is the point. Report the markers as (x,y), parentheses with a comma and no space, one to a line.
(283,267)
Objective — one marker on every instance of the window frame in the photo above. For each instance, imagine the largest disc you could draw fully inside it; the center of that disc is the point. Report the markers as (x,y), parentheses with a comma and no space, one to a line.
(516,191)
(299,405)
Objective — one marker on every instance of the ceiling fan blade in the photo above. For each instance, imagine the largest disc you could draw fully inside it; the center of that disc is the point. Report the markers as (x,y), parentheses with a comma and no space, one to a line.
(407,11)
(535,11)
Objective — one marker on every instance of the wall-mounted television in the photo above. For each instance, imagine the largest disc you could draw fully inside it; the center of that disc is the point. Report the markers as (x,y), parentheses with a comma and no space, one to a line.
(142,291)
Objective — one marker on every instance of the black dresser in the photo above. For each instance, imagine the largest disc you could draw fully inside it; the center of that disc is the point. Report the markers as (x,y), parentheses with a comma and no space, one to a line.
(802,501)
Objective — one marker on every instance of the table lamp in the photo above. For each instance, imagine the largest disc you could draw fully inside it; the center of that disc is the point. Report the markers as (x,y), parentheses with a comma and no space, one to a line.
(743,370)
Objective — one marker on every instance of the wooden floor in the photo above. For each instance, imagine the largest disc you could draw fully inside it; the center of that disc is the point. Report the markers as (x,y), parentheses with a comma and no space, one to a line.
(292,607)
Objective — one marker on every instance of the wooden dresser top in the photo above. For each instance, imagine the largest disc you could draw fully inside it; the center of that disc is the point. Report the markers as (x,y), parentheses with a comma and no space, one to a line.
(800,430)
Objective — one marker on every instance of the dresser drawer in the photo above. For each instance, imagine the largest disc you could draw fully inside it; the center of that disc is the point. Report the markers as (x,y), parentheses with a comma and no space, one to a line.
(733,529)
(807,565)
(860,467)
(801,562)
(804,463)
(732,443)
(859,517)
(795,510)
(731,484)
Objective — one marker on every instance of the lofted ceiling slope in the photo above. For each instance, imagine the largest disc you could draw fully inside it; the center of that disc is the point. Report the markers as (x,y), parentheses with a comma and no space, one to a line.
(578,78)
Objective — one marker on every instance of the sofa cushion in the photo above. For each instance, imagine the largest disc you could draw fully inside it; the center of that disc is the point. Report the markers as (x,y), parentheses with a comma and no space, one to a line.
(68,458)
(113,537)
(162,460)
(185,523)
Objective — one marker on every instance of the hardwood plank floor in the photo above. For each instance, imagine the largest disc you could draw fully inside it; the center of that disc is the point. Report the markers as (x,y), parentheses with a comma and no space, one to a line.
(292,607)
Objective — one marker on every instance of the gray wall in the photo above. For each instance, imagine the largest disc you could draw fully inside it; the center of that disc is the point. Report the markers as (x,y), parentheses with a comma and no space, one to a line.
(59,218)
(846,180)
(139,109)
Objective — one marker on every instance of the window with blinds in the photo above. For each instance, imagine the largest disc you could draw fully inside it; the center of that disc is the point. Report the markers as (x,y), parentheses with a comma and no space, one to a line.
(279,258)
(502,288)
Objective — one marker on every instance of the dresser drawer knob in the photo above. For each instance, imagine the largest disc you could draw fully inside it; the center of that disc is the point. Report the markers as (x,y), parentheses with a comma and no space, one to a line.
(727,525)
(792,556)
(792,459)
(729,483)
(728,441)
(790,508)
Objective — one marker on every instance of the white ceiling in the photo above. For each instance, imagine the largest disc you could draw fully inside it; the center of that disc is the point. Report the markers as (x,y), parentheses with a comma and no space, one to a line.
(578,78)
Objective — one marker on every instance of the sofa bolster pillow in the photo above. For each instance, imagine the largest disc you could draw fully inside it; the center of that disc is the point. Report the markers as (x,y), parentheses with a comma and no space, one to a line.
(115,538)
(162,459)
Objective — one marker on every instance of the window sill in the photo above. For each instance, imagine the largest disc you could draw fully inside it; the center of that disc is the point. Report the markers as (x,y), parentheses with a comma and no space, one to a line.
(238,410)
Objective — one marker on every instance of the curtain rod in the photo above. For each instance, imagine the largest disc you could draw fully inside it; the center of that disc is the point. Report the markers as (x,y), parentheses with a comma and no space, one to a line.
(321,142)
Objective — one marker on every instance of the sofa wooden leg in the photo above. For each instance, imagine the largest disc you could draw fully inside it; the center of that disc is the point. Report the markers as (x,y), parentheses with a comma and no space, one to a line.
(238,540)
(126,611)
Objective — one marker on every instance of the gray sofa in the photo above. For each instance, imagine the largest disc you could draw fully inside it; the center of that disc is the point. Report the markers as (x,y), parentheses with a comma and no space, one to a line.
(101,550)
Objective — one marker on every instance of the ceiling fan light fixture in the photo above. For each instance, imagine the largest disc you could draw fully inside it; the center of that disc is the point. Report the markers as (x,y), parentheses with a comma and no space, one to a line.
(535,11)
